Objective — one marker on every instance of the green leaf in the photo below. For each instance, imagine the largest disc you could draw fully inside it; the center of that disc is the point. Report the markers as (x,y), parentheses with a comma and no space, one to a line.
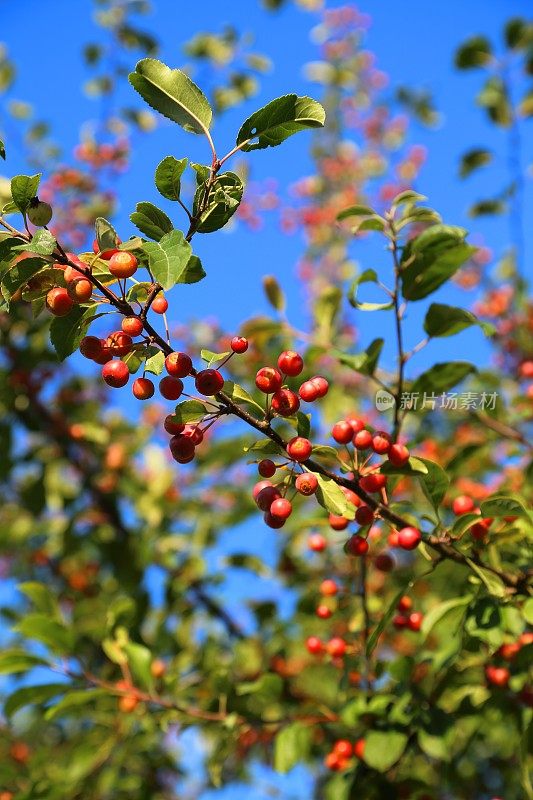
(279,119)
(303,424)
(263,447)
(355,211)
(409,196)
(42,243)
(292,745)
(169,258)
(474,52)
(168,176)
(435,483)
(106,235)
(72,702)
(442,377)
(189,411)
(14,661)
(274,293)
(368,276)
(48,631)
(517,33)
(193,272)
(494,98)
(173,94)
(384,621)
(502,506)
(485,208)
(225,194)
(67,332)
(23,189)
(140,661)
(19,275)
(29,695)
(527,611)
(473,159)
(151,221)
(40,595)
(444,320)
(494,584)
(2,150)
(384,748)
(367,361)
(240,395)
(441,611)
(156,363)
(331,497)
(211,358)
(431,258)
(326,312)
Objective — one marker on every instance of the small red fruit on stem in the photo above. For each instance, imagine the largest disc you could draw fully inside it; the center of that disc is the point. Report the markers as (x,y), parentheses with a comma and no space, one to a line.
(115,374)
(209,382)
(239,344)
(179,365)
(171,388)
(290,363)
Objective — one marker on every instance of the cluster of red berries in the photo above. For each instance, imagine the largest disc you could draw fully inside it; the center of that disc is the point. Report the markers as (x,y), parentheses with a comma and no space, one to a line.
(342,754)
(406,617)
(335,647)
(463,504)
(285,401)
(498,675)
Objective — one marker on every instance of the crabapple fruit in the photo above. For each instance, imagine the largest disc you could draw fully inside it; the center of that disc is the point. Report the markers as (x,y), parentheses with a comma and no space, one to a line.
(209,382)
(59,302)
(115,374)
(179,365)
(266,468)
(123,264)
(299,448)
(133,326)
(409,538)
(160,304)
(170,388)
(342,432)
(290,363)
(143,388)
(268,380)
(306,484)
(239,344)
(285,402)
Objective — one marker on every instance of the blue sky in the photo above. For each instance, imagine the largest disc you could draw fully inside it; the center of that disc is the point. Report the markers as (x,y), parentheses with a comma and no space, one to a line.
(414,42)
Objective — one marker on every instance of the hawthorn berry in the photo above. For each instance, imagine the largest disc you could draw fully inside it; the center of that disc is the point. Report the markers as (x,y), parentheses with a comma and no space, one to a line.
(115,374)
(128,703)
(356,424)
(290,363)
(272,521)
(59,302)
(71,273)
(306,483)
(105,354)
(317,543)
(409,538)
(328,588)
(357,545)
(143,388)
(400,621)
(195,433)
(336,647)
(351,496)
(359,748)
(90,347)
(362,440)
(334,762)
(239,344)
(308,391)
(209,382)
(381,442)
(342,432)
(338,523)
(324,612)
(133,326)
(463,504)
(266,468)
(285,402)
(281,508)
(414,621)
(182,448)
(497,676)
(259,486)
(321,385)
(404,603)
(119,343)
(299,448)
(173,427)
(266,497)
(160,304)
(364,515)
(509,650)
(123,264)
(179,365)
(314,645)
(343,748)
(268,380)
(398,455)
(373,482)
(170,388)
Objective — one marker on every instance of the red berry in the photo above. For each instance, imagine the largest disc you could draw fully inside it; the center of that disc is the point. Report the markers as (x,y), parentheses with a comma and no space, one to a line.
(80,290)
(526,369)
(239,344)
(59,302)
(343,748)
(272,521)
(209,382)
(306,484)
(316,543)
(259,486)
(281,508)
(285,402)
(160,304)
(497,676)
(132,326)
(105,354)
(266,497)
(399,455)
(115,374)
(342,432)
(509,650)
(71,273)
(356,424)
(268,380)
(173,427)
(290,363)
(362,440)
(123,264)
(314,645)
(414,622)
(195,433)
(324,612)
(393,539)
(337,523)
(299,449)
(90,347)
(373,482)
(357,545)
(364,515)
(321,385)
(182,448)
(119,343)
(334,762)
(308,391)
(143,388)
(409,538)
(171,388)
(328,588)
(381,442)
(405,603)
(266,468)
(400,621)
(359,748)
(336,647)
(384,562)
(463,505)
(351,496)
(179,365)
(480,529)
